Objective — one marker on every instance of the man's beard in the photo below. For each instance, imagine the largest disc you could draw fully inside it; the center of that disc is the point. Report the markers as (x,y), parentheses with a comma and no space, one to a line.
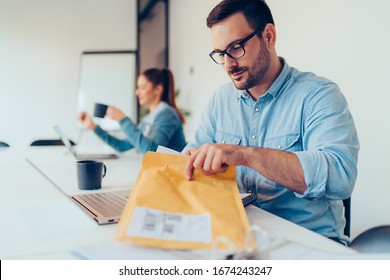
(259,70)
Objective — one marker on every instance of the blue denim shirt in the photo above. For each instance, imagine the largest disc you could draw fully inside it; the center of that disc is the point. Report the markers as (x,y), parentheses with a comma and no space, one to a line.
(160,127)
(303,114)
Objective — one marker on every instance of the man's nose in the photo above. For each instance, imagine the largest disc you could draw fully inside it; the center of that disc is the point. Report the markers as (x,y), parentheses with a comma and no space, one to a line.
(229,62)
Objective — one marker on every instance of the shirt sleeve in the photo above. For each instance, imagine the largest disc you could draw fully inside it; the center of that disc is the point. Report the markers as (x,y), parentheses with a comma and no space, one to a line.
(330,145)
(118,144)
(164,126)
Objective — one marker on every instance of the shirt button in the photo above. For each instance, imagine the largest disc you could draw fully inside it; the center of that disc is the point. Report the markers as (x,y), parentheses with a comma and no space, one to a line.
(279,147)
(257,109)
(253,137)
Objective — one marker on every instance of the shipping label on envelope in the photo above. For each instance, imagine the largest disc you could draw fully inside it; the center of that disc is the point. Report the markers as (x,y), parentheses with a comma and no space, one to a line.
(165,210)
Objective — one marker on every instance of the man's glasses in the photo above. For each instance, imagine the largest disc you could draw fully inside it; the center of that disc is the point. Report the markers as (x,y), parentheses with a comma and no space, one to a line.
(234,51)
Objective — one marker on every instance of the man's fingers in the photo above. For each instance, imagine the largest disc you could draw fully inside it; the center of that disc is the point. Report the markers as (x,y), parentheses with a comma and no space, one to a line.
(206,159)
(208,173)
(189,167)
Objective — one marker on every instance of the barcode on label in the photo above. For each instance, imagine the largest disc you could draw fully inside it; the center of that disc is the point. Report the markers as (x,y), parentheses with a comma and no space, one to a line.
(152,223)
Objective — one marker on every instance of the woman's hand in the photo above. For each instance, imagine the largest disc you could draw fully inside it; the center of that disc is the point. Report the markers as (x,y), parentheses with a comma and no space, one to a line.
(115,113)
(86,120)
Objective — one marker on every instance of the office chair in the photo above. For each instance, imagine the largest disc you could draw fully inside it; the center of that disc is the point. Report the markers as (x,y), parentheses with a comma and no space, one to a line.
(347,215)
(374,240)
(49,142)
(3,145)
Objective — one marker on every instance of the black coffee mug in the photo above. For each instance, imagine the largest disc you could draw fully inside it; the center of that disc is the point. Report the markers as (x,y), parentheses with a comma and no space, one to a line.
(100,110)
(90,174)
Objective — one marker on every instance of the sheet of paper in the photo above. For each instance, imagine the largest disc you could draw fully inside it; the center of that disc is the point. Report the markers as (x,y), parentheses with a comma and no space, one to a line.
(165,150)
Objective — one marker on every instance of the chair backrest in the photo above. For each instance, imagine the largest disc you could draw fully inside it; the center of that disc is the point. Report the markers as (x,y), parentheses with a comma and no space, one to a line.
(49,142)
(374,240)
(3,145)
(347,215)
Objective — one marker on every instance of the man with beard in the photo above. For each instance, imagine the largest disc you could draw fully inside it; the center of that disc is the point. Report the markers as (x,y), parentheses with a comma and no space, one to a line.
(289,133)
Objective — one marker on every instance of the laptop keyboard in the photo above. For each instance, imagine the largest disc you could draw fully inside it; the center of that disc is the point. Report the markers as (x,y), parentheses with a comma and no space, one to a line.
(108,204)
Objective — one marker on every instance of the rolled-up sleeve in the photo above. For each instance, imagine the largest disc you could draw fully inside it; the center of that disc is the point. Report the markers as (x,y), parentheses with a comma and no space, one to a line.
(330,145)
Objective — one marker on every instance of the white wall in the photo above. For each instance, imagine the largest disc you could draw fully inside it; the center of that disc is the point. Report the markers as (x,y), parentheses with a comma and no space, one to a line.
(189,45)
(40,46)
(346,41)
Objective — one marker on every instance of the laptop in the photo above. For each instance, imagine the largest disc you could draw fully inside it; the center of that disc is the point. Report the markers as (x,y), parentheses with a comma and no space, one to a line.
(79,155)
(103,207)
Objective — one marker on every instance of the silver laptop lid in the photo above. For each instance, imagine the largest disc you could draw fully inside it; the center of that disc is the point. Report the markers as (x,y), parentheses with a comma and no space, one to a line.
(78,155)
(65,140)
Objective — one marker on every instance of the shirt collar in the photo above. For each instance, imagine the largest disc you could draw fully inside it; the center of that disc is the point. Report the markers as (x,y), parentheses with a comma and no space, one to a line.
(158,109)
(284,75)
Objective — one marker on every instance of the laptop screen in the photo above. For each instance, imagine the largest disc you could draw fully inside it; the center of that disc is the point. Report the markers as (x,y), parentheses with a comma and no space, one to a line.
(65,140)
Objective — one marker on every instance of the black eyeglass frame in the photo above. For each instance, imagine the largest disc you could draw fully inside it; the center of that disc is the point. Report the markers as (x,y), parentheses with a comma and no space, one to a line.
(241,43)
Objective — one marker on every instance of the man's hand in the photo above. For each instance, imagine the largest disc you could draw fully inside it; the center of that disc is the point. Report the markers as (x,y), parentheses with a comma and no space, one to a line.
(281,167)
(213,158)
(190,151)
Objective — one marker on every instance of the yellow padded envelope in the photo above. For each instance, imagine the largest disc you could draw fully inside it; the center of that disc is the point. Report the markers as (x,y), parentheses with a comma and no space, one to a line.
(165,210)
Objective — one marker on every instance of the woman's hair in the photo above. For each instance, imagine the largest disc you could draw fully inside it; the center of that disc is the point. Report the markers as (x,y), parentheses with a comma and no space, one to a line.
(164,78)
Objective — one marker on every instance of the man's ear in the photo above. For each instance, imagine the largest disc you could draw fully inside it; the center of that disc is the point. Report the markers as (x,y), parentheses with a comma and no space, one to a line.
(269,34)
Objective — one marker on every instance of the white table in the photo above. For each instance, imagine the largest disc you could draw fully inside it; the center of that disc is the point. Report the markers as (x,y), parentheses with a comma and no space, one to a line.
(9,157)
(40,222)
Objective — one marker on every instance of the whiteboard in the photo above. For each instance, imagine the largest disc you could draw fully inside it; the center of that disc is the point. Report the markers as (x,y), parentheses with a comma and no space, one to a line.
(108,78)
